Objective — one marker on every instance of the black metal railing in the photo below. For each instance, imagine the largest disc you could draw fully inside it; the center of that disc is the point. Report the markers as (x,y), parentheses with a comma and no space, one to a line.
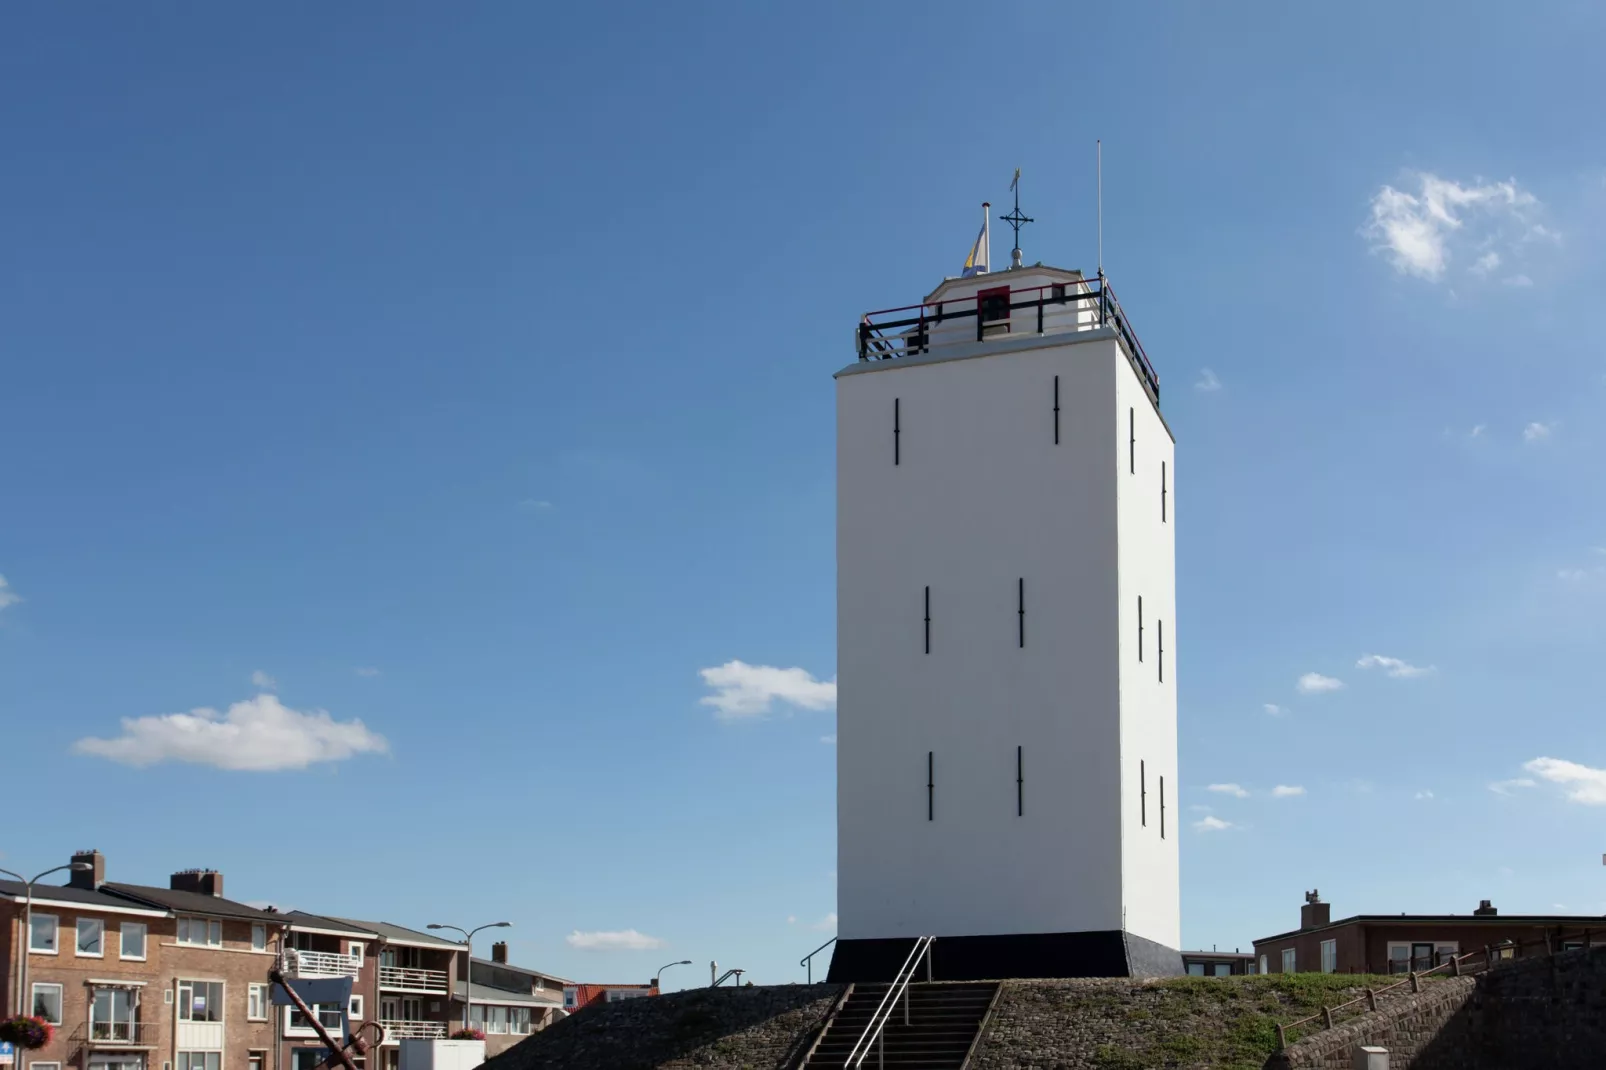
(1092,304)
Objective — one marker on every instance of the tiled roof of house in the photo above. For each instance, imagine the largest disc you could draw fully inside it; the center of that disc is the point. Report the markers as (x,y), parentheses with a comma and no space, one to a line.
(192,902)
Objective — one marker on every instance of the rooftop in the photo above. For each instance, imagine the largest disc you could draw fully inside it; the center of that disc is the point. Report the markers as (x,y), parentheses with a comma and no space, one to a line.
(192,902)
(64,893)
(1566,921)
(398,934)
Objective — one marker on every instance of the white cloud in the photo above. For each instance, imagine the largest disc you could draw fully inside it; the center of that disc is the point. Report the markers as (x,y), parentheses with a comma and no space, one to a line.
(1273,709)
(534,505)
(1422,232)
(1286,791)
(1584,784)
(1314,683)
(366,670)
(1508,787)
(1537,431)
(1477,430)
(257,735)
(1207,381)
(8,597)
(1517,280)
(743,690)
(791,919)
(264,681)
(1198,808)
(1572,575)
(1393,666)
(1229,789)
(1424,794)
(826,924)
(1211,824)
(829,740)
(620,940)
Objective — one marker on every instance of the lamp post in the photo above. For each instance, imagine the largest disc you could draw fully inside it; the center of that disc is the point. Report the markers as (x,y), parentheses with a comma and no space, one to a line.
(26,943)
(660,975)
(468,958)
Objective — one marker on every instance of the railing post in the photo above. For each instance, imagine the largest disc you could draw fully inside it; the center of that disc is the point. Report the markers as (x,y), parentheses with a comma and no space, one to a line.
(1327,1017)
(1039,311)
(1416,985)
(881,1049)
(1371,999)
(929,947)
(1282,1038)
(1455,965)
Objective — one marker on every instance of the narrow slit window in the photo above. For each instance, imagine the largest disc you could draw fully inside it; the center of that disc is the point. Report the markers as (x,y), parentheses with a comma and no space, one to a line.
(1159,642)
(1020,781)
(1162,808)
(931,787)
(1020,613)
(1132,441)
(1143,794)
(1056,410)
(897,430)
(1140,627)
(1162,493)
(928,619)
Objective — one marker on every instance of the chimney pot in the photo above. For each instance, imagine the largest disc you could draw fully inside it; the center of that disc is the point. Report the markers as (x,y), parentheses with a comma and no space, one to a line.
(1485,909)
(89,878)
(1314,913)
(499,952)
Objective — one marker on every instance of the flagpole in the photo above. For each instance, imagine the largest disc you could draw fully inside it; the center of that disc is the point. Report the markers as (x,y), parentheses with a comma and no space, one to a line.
(1099,148)
(987,232)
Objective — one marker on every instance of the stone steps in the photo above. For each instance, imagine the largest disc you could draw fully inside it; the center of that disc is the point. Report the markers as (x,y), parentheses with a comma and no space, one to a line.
(943,1020)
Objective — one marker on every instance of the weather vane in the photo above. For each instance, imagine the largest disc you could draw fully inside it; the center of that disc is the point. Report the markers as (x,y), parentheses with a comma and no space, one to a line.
(1016,220)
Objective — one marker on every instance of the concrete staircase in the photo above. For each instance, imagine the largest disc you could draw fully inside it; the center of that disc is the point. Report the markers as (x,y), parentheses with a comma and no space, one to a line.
(944,1019)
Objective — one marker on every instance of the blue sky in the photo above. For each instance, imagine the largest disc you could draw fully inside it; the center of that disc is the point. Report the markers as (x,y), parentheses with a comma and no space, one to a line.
(467,375)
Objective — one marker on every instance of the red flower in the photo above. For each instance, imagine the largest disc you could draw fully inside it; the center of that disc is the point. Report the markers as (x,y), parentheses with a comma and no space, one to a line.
(26,1032)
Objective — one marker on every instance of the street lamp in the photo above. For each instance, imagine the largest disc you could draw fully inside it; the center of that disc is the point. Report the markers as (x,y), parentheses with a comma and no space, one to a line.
(27,932)
(665,966)
(468,961)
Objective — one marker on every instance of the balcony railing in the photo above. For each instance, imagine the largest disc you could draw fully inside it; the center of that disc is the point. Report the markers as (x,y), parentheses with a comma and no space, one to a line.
(1058,308)
(322,964)
(396,1029)
(118,1034)
(406,979)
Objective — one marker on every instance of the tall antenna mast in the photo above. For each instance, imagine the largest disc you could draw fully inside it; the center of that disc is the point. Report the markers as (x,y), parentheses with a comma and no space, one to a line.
(1016,220)
(1099,148)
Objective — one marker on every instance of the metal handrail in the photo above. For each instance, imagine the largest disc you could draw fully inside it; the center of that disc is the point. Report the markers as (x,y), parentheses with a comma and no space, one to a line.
(875,1028)
(728,973)
(1457,965)
(807,961)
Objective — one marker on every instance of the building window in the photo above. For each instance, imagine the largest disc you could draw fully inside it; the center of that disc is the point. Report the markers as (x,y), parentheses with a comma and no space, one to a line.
(330,1016)
(993,304)
(132,942)
(1288,960)
(476,1017)
(306,1058)
(1329,956)
(36,1065)
(518,1020)
(111,1016)
(1221,969)
(256,1060)
(259,937)
(43,933)
(200,932)
(199,1060)
(1264,965)
(1196,969)
(200,1001)
(91,938)
(47,1002)
(355,951)
(354,1008)
(256,1003)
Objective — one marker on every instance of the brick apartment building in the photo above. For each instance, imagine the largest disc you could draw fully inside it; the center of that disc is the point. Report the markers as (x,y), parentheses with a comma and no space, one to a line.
(136,977)
(1401,943)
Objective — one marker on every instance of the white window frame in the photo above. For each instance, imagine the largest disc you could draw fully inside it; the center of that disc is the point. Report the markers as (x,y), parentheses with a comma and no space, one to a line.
(1290,960)
(355,951)
(78,938)
(256,1002)
(43,1066)
(496,1020)
(187,1007)
(354,1008)
(61,1002)
(212,931)
(55,934)
(259,936)
(123,931)
(1265,965)
(1329,956)
(209,1059)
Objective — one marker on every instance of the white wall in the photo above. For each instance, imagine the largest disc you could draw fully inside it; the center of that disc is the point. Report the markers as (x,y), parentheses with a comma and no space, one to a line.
(1150,876)
(981,498)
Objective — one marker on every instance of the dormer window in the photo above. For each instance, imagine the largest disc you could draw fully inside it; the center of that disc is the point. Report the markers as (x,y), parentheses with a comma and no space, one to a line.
(993,304)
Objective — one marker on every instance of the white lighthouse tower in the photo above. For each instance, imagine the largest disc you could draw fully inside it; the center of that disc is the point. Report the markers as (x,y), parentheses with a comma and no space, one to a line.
(1006,638)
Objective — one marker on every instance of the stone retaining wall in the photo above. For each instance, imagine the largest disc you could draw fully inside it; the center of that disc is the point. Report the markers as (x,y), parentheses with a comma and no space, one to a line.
(1407,1025)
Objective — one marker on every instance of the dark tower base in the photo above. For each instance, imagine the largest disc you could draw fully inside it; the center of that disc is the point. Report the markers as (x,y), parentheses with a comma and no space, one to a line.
(1111,953)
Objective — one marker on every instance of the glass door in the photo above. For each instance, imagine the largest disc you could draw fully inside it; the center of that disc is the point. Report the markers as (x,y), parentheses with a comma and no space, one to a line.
(111,1016)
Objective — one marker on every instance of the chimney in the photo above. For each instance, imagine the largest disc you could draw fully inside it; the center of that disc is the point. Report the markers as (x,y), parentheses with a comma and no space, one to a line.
(1484,910)
(1315,912)
(499,952)
(201,881)
(89,878)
